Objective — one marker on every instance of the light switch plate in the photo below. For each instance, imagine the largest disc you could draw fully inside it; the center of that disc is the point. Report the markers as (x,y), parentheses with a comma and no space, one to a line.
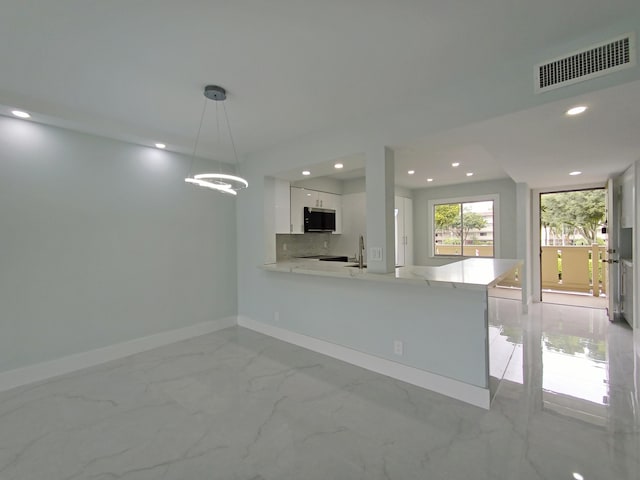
(375,254)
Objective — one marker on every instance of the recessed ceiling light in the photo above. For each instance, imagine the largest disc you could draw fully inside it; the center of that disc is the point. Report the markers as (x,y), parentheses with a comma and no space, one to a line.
(455,164)
(411,172)
(575,173)
(20,114)
(160,145)
(577,476)
(469,174)
(338,165)
(429,179)
(306,172)
(577,110)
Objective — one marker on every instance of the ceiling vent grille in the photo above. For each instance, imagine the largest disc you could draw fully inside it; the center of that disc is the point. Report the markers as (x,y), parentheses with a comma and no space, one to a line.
(597,60)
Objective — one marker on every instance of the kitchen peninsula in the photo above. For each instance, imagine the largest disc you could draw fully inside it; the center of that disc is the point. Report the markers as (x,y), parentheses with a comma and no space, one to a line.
(424,325)
(470,273)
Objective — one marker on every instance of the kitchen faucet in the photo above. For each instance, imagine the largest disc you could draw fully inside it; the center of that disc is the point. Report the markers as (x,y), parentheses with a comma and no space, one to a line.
(361,253)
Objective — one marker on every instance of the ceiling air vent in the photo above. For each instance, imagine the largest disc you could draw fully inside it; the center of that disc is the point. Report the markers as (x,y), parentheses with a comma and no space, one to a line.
(600,59)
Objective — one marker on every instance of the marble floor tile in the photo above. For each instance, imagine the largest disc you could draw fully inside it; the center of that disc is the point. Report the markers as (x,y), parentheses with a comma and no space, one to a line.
(236,404)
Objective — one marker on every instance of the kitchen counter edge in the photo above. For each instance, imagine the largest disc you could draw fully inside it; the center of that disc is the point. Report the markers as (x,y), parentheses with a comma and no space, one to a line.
(470,273)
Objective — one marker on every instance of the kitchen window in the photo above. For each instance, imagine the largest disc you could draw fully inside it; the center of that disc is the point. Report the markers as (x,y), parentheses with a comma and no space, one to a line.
(464,227)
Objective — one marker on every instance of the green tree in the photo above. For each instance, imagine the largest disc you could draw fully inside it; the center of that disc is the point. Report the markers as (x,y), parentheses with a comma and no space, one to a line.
(470,221)
(583,211)
(551,215)
(446,215)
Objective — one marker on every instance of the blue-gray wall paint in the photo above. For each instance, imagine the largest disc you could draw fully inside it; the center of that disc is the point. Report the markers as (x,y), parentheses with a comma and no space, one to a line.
(102,242)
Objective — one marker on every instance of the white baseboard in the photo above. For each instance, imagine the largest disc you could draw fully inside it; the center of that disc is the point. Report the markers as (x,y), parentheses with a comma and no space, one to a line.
(477,396)
(78,361)
(42,371)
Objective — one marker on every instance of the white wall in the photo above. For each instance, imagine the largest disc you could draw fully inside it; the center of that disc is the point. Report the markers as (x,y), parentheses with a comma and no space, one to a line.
(354,224)
(354,213)
(423,232)
(102,242)
(636,257)
(524,241)
(403,192)
(321,184)
(356,185)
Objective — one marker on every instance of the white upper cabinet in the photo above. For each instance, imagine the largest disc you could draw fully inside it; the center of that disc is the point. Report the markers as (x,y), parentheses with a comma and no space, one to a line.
(627,206)
(283,206)
(300,198)
(303,197)
(332,201)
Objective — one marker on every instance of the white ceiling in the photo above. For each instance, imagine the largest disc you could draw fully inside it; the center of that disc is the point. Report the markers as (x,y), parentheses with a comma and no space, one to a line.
(135,70)
(538,146)
(353,166)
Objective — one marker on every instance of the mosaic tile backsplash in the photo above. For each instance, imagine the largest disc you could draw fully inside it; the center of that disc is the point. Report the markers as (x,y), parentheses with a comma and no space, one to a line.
(291,246)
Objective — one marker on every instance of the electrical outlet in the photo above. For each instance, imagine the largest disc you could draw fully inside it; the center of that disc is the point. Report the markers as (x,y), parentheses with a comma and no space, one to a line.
(375,254)
(325,244)
(284,247)
(276,317)
(398,347)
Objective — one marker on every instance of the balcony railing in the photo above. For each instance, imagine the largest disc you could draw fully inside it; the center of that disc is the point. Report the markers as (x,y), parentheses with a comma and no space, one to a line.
(470,250)
(575,269)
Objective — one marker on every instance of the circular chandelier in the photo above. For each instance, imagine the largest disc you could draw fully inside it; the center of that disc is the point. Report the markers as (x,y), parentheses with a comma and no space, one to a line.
(222,182)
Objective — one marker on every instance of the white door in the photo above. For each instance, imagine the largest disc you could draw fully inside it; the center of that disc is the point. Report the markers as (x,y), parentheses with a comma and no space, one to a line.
(404,230)
(408,231)
(613,250)
(399,229)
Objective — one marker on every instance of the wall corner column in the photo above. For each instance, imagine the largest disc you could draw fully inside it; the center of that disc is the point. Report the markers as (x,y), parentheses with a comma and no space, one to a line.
(380,243)
(524,242)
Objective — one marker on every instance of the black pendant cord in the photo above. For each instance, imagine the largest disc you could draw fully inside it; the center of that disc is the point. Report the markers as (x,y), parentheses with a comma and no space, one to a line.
(195,146)
(233,143)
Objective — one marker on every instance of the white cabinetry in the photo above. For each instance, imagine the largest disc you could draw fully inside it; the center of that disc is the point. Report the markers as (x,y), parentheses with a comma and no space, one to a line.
(627,206)
(320,199)
(331,201)
(283,206)
(627,290)
(300,198)
(303,197)
(404,230)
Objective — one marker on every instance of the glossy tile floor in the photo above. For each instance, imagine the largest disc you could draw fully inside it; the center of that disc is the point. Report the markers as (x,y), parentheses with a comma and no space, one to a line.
(238,405)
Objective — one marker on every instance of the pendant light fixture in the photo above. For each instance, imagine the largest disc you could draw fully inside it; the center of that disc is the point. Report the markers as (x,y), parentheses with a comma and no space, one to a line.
(221,182)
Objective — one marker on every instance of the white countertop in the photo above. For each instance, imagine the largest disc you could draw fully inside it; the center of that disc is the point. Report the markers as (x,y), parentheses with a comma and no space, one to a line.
(468,273)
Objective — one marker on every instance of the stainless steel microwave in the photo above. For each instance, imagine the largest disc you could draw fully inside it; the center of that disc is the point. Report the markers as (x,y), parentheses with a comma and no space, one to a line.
(319,220)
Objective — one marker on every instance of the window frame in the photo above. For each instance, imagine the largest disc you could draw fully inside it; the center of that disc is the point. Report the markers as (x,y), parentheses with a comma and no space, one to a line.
(431,228)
